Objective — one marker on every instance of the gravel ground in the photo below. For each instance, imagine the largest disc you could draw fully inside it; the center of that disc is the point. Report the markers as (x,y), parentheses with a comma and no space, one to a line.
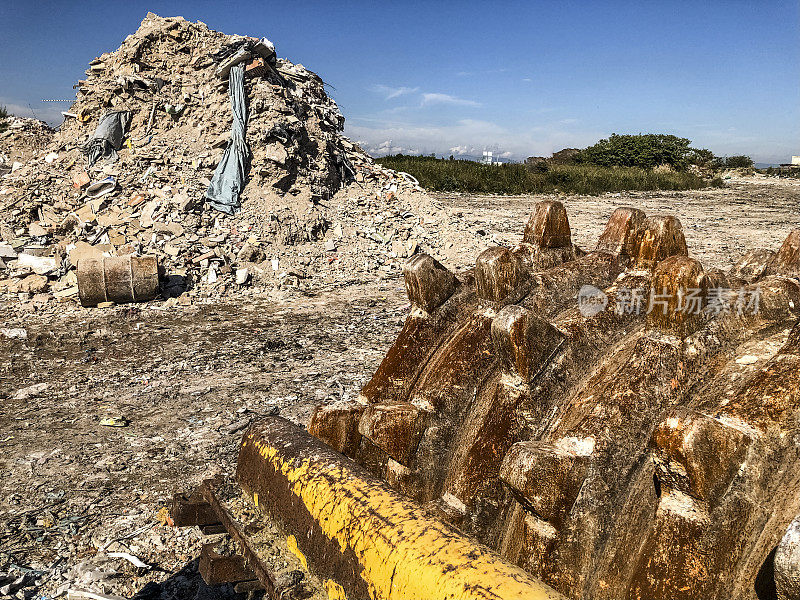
(186,381)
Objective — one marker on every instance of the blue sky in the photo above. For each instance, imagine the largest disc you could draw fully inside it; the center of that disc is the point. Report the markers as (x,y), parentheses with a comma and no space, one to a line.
(460,77)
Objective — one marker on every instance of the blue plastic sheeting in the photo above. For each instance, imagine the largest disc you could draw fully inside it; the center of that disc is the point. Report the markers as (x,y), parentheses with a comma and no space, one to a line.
(229,177)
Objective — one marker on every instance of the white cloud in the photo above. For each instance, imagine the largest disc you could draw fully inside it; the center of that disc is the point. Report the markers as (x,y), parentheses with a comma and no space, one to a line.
(433,98)
(389,92)
(463,150)
(386,147)
(466,137)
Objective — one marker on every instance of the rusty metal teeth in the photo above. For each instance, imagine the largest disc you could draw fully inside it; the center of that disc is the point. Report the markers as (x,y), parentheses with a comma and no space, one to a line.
(523,341)
(546,477)
(661,238)
(499,275)
(787,260)
(548,226)
(395,428)
(698,455)
(337,425)
(428,283)
(680,293)
(622,233)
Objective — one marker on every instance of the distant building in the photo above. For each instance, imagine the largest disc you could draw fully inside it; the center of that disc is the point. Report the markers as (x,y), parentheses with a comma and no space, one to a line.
(488,159)
(796,160)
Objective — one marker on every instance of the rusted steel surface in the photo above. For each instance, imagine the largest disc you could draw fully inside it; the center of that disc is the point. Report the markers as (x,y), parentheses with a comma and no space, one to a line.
(119,279)
(359,535)
(615,445)
(205,508)
(217,569)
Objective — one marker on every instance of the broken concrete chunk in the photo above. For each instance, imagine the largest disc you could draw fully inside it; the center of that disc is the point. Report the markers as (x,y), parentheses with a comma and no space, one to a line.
(41,265)
(7,252)
(242,276)
(86,250)
(33,284)
(29,392)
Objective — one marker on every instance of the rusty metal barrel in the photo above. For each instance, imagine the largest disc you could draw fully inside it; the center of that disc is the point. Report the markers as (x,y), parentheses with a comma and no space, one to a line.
(119,279)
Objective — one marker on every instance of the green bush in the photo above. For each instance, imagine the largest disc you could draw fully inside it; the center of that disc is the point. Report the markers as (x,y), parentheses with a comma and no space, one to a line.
(733,162)
(701,157)
(472,177)
(645,151)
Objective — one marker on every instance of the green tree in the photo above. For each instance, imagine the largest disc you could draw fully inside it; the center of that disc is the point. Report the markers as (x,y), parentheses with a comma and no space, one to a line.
(739,161)
(643,150)
(701,157)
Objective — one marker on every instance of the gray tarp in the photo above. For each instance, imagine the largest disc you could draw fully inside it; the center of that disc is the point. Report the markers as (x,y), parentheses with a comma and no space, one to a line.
(228,181)
(108,136)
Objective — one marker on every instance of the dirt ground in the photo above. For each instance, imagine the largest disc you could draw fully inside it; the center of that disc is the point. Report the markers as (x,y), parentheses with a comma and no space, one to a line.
(186,381)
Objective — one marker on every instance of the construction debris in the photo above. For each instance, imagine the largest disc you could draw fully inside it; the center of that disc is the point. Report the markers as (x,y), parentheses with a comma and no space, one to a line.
(151,127)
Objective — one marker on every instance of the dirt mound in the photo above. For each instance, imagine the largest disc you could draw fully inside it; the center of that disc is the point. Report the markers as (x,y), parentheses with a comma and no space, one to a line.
(166,91)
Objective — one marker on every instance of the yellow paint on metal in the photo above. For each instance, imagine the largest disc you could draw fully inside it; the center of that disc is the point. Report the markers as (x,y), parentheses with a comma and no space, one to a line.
(405,555)
(291,542)
(335,591)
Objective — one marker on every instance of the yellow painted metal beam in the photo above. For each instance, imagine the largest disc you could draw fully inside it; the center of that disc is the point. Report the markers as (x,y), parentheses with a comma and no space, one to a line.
(361,535)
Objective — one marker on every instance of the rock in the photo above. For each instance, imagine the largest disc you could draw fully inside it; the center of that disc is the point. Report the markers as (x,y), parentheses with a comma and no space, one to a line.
(276,153)
(14,333)
(41,265)
(242,276)
(7,252)
(86,250)
(33,284)
(36,230)
(30,392)
(251,254)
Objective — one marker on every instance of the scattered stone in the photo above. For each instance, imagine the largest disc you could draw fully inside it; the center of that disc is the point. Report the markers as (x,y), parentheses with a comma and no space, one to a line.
(30,392)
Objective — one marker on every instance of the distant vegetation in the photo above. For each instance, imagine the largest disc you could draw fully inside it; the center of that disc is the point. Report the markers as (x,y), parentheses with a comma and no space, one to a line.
(472,177)
(644,151)
(3,118)
(619,163)
(732,162)
(649,151)
(793,172)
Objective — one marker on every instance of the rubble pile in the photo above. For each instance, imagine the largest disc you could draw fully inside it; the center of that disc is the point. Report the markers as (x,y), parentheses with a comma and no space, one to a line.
(307,208)
(20,140)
